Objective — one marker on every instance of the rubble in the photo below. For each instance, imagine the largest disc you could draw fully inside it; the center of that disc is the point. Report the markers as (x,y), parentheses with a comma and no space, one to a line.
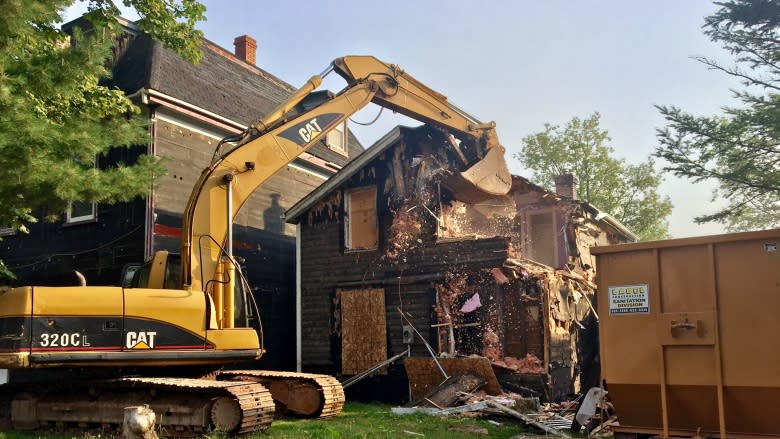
(485,405)
(529,364)
(473,308)
(450,391)
(465,394)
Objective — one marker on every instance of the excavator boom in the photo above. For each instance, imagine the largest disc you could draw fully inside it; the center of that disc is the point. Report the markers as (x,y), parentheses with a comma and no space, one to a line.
(273,142)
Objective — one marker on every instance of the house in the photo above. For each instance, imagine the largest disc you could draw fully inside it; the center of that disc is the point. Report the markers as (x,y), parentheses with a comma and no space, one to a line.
(189,109)
(388,258)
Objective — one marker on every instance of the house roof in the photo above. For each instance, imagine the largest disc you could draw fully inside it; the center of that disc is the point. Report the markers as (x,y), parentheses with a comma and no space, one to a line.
(294,214)
(221,83)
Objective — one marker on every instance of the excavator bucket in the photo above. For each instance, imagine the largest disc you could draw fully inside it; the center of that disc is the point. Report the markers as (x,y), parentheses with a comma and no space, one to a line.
(485,179)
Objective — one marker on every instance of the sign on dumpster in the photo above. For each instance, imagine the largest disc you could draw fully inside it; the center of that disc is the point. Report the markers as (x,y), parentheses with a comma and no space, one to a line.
(629,299)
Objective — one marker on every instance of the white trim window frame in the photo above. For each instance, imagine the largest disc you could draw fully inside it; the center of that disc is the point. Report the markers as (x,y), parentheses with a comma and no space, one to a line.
(87,211)
(530,245)
(351,217)
(336,139)
(82,211)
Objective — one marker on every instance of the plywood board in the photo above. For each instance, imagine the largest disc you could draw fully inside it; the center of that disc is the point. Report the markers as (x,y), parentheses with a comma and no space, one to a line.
(363,330)
(363,231)
(423,373)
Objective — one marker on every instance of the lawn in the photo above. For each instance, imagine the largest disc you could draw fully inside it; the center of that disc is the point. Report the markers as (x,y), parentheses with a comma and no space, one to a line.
(361,421)
(377,421)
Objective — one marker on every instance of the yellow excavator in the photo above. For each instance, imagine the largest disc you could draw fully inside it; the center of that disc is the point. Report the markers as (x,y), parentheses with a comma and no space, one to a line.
(78,355)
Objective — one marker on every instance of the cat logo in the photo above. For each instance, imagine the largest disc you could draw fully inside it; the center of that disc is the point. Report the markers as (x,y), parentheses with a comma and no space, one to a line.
(310,130)
(140,340)
(303,133)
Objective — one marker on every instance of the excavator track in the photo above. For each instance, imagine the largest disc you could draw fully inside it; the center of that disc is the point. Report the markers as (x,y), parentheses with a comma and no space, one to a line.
(302,394)
(183,406)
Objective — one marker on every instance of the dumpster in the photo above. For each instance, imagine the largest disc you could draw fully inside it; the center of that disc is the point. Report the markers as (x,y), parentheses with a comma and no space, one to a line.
(690,334)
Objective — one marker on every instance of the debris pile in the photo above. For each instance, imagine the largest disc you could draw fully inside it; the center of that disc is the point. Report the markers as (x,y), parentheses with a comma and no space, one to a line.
(529,364)
(526,318)
(464,394)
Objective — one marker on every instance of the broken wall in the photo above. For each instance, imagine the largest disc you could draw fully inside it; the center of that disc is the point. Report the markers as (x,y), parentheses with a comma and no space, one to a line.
(523,317)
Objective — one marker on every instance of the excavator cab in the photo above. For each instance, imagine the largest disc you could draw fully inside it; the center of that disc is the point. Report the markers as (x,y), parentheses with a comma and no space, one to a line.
(137,275)
(166,273)
(163,271)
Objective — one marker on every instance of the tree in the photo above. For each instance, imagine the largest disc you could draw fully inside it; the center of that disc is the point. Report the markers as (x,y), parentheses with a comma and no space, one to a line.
(627,192)
(56,112)
(740,149)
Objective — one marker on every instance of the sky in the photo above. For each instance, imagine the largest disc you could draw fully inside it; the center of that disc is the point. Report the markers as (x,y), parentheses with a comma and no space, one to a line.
(519,63)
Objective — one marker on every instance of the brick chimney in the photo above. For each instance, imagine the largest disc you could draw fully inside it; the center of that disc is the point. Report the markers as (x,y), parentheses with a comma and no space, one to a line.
(566,185)
(246,47)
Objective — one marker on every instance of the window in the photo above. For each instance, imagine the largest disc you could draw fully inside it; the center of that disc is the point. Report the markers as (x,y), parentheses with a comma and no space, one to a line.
(79,211)
(488,218)
(82,211)
(337,139)
(362,232)
(542,242)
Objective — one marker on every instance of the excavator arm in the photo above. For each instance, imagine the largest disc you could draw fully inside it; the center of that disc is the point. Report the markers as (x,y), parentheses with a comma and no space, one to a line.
(299,124)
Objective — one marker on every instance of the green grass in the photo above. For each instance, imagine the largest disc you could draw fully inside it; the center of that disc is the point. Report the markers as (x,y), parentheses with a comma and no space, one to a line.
(358,420)
(377,421)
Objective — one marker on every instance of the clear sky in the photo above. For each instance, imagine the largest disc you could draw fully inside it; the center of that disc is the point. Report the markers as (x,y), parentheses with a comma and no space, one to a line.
(519,63)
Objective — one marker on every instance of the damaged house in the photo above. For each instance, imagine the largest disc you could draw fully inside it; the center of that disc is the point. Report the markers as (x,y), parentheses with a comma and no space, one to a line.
(390,260)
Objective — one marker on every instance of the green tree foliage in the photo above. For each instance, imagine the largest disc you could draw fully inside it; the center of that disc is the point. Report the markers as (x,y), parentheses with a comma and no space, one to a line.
(627,192)
(740,149)
(56,113)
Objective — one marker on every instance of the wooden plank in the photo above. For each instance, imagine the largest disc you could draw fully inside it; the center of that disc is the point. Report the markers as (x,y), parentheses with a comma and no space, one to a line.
(447,393)
(363,330)
(527,419)
(362,218)
(424,375)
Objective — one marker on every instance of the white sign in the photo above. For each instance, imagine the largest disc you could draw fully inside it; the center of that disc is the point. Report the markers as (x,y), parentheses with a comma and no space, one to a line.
(629,299)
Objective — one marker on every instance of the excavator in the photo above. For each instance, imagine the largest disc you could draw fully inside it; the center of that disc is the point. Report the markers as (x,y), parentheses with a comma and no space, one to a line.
(78,355)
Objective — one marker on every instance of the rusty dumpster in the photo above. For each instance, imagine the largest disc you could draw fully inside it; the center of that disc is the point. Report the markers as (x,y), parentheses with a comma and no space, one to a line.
(690,334)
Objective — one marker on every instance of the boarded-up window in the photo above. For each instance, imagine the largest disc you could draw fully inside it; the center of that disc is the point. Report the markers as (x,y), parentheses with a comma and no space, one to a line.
(362,232)
(542,245)
(363,333)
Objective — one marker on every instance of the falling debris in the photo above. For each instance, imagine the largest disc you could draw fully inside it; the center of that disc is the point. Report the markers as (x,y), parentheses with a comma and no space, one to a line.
(472,304)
